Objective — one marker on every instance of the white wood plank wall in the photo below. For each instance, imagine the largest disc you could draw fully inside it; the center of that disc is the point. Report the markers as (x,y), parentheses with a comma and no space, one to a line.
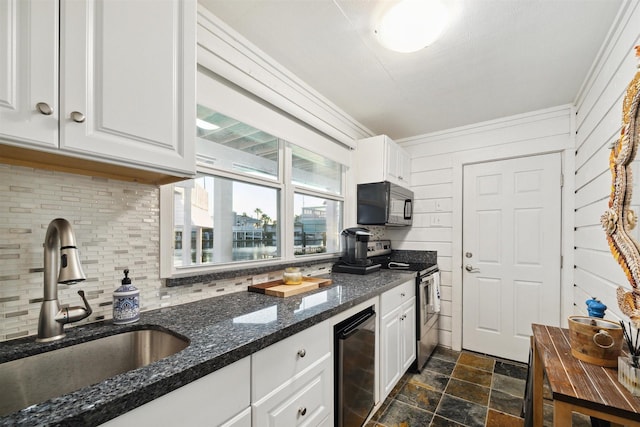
(437,162)
(598,123)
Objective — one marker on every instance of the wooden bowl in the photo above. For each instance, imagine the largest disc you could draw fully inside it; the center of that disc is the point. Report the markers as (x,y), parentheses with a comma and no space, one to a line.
(594,340)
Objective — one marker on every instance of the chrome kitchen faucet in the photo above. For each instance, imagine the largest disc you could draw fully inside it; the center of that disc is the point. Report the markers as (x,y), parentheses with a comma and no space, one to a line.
(61,265)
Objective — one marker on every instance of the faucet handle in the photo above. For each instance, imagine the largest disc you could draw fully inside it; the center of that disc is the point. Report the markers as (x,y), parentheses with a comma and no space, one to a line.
(73,314)
(87,307)
(86,303)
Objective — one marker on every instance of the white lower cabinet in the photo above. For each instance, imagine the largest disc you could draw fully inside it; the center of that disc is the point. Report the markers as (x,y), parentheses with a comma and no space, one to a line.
(390,337)
(292,380)
(327,422)
(397,335)
(408,333)
(243,419)
(304,400)
(218,399)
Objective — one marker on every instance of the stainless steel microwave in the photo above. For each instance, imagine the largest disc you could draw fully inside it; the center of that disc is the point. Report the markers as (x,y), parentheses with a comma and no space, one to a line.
(384,203)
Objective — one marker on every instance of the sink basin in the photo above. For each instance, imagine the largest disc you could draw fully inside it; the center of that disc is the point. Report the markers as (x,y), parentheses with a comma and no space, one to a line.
(37,378)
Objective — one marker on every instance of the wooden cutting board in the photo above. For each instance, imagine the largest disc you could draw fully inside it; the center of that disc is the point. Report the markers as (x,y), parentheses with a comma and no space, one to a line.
(277,288)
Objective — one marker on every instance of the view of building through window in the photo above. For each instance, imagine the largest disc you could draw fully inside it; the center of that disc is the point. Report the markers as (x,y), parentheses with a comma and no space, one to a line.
(317,222)
(226,220)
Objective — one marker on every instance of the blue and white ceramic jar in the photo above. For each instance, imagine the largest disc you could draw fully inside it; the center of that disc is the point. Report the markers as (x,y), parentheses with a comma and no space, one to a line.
(126,302)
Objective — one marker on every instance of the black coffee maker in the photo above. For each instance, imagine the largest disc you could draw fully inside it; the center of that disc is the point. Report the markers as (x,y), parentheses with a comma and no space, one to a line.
(354,256)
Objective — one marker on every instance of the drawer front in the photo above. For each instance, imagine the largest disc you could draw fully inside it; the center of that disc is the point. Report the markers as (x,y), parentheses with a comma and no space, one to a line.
(397,296)
(210,400)
(327,422)
(307,400)
(243,419)
(281,361)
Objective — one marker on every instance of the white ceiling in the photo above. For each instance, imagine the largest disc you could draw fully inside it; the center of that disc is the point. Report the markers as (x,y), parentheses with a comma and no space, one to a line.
(497,58)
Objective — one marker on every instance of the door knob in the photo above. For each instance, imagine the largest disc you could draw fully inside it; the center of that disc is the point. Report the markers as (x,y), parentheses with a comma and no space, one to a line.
(77,116)
(44,108)
(470,269)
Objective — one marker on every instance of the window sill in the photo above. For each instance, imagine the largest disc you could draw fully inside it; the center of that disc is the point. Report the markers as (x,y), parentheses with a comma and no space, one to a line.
(231,272)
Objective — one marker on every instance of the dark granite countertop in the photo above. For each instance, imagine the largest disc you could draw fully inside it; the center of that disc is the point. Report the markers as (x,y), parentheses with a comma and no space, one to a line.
(218,337)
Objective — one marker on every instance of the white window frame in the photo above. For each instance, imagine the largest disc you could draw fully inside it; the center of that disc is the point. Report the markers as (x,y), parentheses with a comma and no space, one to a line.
(291,190)
(243,107)
(285,221)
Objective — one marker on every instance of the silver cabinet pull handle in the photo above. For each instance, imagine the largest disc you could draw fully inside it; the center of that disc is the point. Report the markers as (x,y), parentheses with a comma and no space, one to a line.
(302,352)
(44,108)
(470,269)
(77,117)
(302,411)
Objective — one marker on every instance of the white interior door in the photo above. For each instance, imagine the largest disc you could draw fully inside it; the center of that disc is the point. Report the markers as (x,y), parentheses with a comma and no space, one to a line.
(511,253)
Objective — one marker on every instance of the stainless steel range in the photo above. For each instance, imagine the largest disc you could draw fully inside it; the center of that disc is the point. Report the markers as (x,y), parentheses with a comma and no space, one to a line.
(428,314)
(427,290)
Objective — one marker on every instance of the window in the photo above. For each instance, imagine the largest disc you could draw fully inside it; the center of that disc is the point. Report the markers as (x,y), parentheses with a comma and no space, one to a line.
(256,198)
(317,224)
(226,220)
(234,146)
(313,171)
(317,218)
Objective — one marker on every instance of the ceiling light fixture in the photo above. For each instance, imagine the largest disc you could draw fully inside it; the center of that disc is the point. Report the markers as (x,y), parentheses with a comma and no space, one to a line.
(412,25)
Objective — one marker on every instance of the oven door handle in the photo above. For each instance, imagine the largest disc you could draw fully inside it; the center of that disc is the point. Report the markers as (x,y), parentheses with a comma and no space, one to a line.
(427,283)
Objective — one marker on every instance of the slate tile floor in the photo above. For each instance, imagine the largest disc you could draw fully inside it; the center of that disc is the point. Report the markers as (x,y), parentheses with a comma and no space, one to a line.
(461,389)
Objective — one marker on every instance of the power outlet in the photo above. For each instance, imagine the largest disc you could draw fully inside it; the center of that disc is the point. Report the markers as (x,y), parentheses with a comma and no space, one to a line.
(260,278)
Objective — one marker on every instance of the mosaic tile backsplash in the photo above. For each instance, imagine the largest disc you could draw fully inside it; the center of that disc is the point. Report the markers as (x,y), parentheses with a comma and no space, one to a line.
(116,225)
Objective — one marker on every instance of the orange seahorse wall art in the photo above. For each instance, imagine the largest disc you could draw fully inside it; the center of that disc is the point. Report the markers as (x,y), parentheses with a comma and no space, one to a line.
(620,219)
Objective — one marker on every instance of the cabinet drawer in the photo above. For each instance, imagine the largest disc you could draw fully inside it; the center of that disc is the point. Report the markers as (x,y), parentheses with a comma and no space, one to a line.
(281,361)
(243,419)
(327,422)
(397,296)
(210,400)
(306,400)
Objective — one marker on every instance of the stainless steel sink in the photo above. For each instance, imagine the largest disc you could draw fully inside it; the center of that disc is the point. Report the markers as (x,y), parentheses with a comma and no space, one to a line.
(37,378)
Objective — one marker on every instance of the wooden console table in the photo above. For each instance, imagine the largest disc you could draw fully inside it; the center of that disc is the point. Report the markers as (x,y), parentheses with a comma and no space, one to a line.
(576,385)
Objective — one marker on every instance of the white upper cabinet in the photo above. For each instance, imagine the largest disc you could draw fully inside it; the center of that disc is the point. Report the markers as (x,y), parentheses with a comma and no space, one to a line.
(29,72)
(126,73)
(399,164)
(379,158)
(127,81)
